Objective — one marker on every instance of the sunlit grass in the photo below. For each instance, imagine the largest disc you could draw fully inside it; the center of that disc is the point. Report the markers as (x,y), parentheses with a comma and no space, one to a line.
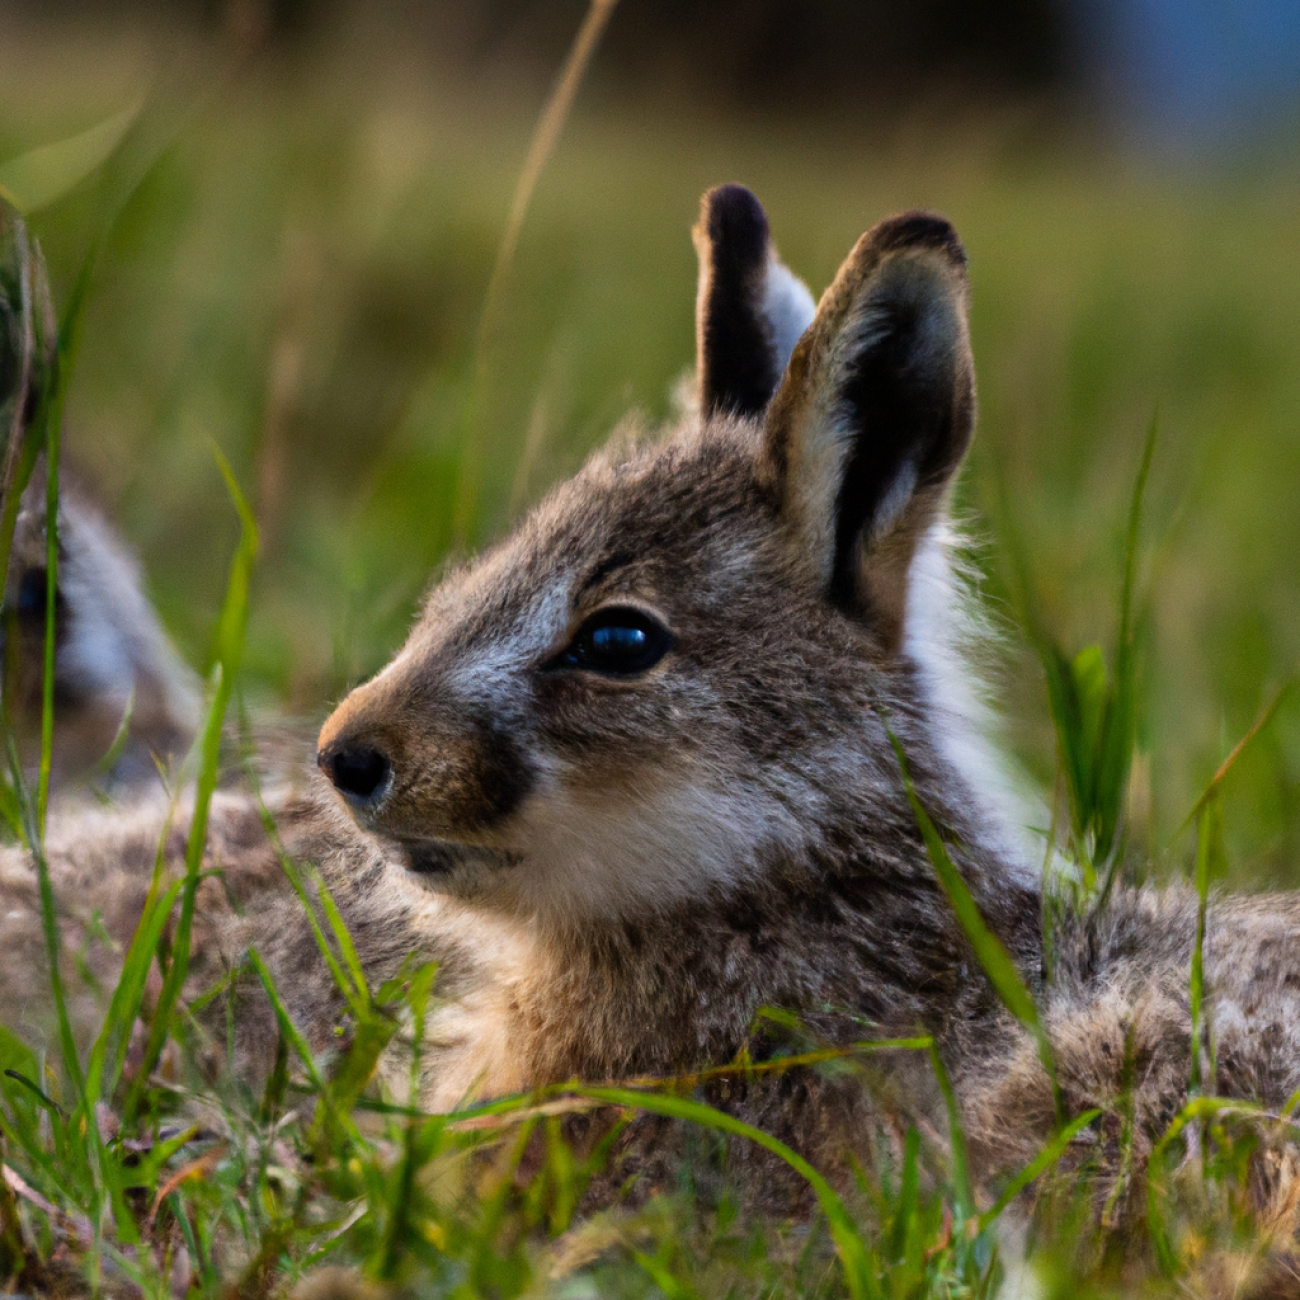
(300,278)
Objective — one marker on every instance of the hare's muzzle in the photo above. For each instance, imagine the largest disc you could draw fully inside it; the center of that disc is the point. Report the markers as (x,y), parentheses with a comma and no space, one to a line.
(414,759)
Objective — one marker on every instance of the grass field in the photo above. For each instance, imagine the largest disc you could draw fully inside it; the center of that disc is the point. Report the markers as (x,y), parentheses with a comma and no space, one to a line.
(300,280)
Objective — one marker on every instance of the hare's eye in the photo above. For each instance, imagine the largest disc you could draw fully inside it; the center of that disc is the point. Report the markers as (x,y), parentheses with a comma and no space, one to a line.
(618,641)
(31,594)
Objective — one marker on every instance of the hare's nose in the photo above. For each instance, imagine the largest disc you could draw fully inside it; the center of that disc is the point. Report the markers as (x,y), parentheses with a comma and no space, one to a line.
(361,774)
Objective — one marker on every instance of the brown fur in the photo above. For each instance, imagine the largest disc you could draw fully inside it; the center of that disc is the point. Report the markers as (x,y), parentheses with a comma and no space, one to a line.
(617,870)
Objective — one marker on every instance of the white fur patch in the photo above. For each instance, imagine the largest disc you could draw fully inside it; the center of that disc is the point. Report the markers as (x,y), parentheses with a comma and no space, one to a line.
(788,307)
(623,854)
(491,672)
(942,629)
(116,644)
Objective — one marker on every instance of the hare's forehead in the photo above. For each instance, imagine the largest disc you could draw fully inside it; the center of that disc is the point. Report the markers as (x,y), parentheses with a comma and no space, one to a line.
(661,536)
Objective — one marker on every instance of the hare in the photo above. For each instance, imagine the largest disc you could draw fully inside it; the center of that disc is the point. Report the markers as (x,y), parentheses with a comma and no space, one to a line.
(635,775)
(116,670)
(122,692)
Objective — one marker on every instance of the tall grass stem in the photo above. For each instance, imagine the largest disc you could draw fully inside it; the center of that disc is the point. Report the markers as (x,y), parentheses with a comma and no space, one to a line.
(546,135)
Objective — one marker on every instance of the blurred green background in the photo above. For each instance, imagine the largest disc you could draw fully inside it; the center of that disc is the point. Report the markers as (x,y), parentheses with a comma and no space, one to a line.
(300,280)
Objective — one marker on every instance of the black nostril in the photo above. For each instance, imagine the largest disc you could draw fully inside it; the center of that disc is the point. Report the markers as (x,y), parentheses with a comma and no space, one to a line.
(358,773)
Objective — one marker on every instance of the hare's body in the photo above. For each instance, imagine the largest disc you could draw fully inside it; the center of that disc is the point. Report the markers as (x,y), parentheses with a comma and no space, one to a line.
(521,1009)
(634,776)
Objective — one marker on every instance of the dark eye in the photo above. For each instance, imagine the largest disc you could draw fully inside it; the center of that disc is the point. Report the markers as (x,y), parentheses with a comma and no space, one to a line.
(32,589)
(619,641)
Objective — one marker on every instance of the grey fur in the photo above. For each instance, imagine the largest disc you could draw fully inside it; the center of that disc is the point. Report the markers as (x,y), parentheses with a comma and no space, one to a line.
(115,666)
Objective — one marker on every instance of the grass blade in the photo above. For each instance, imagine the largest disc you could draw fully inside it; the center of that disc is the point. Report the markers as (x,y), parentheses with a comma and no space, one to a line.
(399,1217)
(343,937)
(229,646)
(1196,1109)
(855,1256)
(546,135)
(1094,715)
(1209,863)
(108,1056)
(292,1034)
(26,289)
(1262,720)
(989,950)
(1043,1161)
(42,175)
(351,993)
(47,425)
(956,1135)
(1115,757)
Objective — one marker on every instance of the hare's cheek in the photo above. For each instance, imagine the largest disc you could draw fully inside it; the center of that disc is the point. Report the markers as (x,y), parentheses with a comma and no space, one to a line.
(615,738)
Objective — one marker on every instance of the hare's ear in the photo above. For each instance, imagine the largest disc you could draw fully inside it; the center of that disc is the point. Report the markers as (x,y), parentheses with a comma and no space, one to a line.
(750,309)
(874,415)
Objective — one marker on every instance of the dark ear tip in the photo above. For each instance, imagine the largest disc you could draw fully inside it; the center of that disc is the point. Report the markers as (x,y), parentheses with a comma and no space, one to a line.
(919,230)
(732,213)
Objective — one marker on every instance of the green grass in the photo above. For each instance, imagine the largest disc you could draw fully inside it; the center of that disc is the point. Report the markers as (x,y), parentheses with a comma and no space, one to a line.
(299,278)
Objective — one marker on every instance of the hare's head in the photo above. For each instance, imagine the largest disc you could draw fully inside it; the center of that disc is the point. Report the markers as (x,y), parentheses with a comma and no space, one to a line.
(124,700)
(679,675)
